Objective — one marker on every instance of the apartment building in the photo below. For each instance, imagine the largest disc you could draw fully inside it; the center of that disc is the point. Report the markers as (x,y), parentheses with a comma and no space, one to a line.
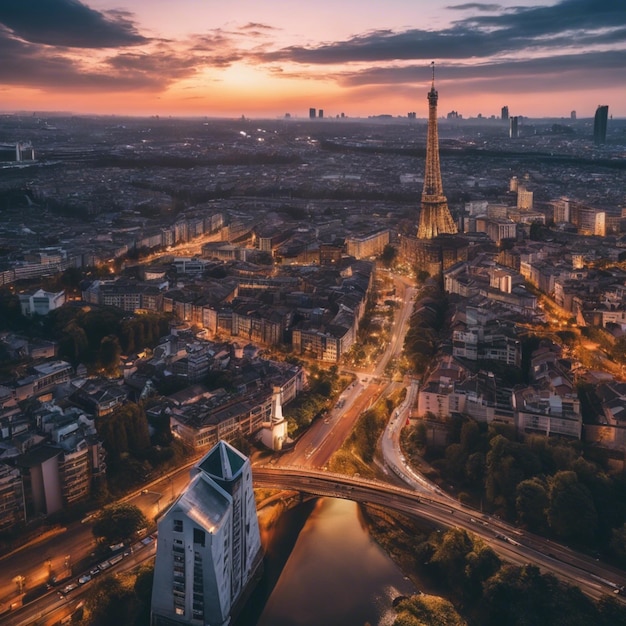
(209,551)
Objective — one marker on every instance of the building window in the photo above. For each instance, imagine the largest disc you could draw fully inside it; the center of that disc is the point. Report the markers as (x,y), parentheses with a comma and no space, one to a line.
(178,525)
(198,536)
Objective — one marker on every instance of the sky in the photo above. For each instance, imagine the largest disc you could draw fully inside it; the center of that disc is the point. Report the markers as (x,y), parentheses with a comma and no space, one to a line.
(267,58)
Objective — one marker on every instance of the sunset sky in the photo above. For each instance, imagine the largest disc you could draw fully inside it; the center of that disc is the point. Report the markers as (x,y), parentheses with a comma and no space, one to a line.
(265,58)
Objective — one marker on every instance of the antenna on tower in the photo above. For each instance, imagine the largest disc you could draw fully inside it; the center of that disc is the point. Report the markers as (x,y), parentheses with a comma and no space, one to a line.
(432,64)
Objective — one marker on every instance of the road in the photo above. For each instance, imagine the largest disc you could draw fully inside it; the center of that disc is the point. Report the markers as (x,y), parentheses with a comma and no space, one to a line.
(54,605)
(593,577)
(60,552)
(324,437)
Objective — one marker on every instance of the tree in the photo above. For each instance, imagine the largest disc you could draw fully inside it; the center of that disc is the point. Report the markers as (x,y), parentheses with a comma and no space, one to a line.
(618,543)
(110,603)
(571,512)
(389,255)
(109,354)
(450,553)
(431,610)
(531,502)
(118,522)
(125,430)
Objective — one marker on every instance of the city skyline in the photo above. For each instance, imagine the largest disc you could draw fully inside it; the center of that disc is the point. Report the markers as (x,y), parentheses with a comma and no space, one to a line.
(141,57)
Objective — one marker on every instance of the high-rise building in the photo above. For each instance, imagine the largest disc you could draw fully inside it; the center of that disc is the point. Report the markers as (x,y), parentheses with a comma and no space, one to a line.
(435,218)
(599,124)
(573,115)
(209,549)
(505,112)
(513,127)
(312,113)
(524,198)
(320,113)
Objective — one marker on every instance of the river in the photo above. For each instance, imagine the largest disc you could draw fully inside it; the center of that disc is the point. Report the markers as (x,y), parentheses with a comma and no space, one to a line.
(322,567)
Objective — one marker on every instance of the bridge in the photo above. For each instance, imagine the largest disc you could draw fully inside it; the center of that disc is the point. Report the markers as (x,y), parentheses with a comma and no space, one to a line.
(512,544)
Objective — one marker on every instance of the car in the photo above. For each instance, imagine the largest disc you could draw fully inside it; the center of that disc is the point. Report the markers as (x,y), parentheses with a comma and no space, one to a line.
(85,578)
(68,588)
(95,571)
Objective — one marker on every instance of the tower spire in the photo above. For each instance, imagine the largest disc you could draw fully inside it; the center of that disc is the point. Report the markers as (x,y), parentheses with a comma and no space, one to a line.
(435,217)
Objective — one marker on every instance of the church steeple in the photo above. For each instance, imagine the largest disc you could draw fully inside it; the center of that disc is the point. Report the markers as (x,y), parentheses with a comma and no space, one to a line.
(435,217)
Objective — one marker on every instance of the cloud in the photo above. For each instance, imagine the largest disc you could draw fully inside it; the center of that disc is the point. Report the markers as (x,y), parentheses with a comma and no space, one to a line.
(68,23)
(45,67)
(476,6)
(492,46)
(256,26)
(585,67)
(570,23)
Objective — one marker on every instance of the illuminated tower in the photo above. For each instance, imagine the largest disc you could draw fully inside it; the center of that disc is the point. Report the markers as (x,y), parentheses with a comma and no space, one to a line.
(435,218)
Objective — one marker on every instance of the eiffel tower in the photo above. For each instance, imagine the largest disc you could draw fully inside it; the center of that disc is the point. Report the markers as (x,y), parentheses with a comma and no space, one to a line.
(435,218)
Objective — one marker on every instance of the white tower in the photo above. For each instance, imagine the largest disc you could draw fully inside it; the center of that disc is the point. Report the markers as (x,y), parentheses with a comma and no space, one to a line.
(209,547)
(274,433)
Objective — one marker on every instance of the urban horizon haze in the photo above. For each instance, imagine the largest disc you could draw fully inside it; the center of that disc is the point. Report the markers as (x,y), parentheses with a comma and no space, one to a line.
(265,60)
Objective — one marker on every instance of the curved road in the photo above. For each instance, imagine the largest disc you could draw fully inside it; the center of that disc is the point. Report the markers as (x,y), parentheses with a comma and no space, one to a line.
(594,578)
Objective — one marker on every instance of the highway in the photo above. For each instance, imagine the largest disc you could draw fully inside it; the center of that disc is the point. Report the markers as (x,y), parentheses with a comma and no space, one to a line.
(593,577)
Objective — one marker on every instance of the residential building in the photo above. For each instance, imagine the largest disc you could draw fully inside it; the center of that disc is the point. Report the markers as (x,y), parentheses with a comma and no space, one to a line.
(209,551)
(41,302)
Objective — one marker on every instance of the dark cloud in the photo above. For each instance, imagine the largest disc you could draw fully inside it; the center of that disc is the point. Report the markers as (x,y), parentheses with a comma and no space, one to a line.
(68,23)
(476,6)
(44,67)
(518,30)
(586,66)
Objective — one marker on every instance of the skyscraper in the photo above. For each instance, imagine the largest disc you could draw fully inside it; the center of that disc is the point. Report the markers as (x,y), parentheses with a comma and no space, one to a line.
(599,124)
(513,127)
(435,218)
(312,113)
(209,547)
(505,113)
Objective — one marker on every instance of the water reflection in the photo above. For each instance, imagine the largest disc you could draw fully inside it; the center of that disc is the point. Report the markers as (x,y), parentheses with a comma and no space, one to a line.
(335,575)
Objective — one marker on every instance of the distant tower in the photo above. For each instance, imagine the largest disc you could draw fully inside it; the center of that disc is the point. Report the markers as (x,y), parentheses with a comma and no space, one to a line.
(209,551)
(435,218)
(513,127)
(572,115)
(312,113)
(321,113)
(599,124)
(505,113)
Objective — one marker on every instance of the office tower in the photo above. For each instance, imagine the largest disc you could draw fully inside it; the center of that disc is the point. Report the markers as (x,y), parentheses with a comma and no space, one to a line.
(209,547)
(505,113)
(435,218)
(599,124)
(572,115)
(321,113)
(513,127)
(312,113)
